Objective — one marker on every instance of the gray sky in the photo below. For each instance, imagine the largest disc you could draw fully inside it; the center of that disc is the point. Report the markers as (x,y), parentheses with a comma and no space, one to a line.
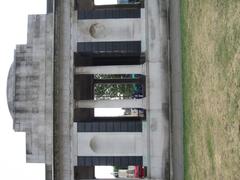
(13,18)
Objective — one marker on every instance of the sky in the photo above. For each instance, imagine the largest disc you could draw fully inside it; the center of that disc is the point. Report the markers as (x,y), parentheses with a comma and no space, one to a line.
(13,18)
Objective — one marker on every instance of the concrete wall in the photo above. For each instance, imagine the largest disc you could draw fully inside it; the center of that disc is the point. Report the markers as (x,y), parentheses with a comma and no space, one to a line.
(110,144)
(109,30)
(30,89)
(103,30)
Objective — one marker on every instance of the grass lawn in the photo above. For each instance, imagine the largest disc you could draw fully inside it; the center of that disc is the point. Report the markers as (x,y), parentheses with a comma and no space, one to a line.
(211,86)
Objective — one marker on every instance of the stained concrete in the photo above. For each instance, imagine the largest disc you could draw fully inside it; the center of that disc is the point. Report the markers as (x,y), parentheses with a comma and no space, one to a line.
(158,88)
(63,92)
(109,30)
(29,90)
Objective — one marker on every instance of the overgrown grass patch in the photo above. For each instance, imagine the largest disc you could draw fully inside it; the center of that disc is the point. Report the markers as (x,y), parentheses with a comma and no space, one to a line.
(211,87)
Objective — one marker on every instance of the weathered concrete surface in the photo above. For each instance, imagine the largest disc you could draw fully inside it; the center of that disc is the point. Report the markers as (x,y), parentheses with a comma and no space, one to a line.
(176,90)
(158,88)
(109,30)
(124,103)
(29,89)
(111,144)
(63,62)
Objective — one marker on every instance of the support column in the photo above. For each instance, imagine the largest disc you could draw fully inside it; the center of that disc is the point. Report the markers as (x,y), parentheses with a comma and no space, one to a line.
(123,69)
(126,103)
(113,144)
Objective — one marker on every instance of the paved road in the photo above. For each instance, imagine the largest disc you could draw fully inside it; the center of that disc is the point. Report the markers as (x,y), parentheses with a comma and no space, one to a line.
(176,83)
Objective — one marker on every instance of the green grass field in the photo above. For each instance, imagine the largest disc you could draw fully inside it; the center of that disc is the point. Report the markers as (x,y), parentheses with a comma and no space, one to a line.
(211,86)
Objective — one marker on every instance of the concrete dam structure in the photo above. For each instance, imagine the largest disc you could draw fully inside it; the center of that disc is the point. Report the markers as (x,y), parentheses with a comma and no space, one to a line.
(52,80)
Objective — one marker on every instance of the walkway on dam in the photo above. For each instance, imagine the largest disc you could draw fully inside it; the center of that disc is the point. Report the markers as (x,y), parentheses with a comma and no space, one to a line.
(176,91)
